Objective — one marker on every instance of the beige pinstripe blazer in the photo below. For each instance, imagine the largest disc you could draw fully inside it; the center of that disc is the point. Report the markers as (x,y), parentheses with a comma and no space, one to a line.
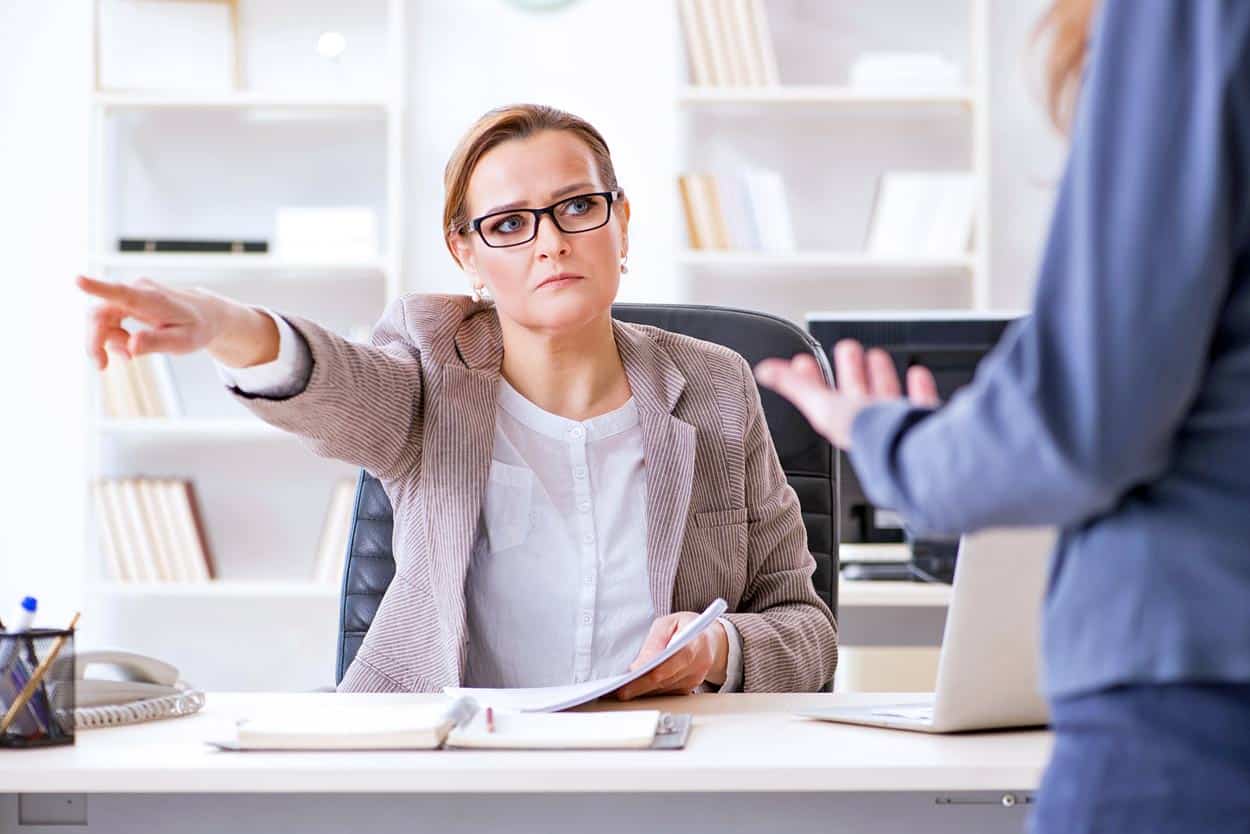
(417,409)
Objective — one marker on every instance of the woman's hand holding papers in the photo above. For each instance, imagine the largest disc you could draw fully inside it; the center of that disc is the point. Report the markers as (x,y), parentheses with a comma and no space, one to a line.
(179,321)
(702,659)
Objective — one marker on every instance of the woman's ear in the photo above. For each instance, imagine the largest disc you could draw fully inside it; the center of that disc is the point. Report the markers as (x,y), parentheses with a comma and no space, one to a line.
(464,252)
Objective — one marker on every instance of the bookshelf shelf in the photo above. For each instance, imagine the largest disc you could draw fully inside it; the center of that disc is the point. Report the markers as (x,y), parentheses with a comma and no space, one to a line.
(856,262)
(156,428)
(231,264)
(817,95)
(311,106)
(216,589)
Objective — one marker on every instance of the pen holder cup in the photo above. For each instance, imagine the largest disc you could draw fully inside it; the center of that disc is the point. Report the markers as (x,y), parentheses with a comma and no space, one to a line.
(37,688)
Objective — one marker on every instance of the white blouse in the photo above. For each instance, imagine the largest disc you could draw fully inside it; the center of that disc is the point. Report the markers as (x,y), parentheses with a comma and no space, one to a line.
(557,588)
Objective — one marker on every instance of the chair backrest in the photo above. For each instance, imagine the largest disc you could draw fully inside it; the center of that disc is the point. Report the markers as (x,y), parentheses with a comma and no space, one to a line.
(809,462)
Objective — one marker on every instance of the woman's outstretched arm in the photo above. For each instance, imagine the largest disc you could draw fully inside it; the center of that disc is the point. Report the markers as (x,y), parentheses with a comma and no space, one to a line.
(359,403)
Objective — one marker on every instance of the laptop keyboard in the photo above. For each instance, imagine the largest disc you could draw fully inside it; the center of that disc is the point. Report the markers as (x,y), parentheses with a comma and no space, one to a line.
(924,713)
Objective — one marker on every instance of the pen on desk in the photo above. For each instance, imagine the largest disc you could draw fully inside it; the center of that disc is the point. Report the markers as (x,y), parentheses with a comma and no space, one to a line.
(490,720)
(31,685)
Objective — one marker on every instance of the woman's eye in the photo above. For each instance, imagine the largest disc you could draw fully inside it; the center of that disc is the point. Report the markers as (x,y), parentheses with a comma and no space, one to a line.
(508,224)
(579,206)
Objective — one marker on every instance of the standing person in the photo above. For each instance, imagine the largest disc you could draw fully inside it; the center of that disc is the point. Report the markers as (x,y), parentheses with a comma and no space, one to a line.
(1119,411)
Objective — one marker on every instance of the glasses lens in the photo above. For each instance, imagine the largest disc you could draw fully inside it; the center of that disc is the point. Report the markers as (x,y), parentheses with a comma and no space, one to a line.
(581,214)
(508,229)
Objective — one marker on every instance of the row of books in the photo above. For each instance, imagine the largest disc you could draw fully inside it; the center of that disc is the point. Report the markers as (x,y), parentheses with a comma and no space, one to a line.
(139,387)
(917,214)
(151,530)
(728,43)
(744,212)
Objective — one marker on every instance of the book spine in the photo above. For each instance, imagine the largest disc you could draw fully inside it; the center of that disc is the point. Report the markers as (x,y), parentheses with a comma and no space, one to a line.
(748,45)
(686,187)
(720,228)
(201,539)
(189,559)
(764,39)
(141,536)
(710,25)
(128,550)
(106,527)
(735,61)
(696,47)
(162,542)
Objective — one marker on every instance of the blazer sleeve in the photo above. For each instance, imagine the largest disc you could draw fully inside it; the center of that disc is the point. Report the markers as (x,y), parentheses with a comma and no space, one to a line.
(789,637)
(361,403)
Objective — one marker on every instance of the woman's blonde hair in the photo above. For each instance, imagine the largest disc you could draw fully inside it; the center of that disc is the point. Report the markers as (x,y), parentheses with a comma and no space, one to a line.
(1067,27)
(516,121)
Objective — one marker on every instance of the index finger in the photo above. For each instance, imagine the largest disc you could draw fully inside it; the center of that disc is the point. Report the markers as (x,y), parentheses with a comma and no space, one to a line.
(107,290)
(848,367)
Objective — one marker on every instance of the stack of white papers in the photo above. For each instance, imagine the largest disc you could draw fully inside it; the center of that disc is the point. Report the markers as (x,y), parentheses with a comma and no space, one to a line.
(556,698)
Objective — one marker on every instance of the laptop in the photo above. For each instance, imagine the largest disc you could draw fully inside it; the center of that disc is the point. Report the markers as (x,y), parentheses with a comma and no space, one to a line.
(989,667)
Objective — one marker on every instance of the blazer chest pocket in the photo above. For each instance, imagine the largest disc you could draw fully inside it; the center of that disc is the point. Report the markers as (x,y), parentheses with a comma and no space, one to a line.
(507,504)
(721,536)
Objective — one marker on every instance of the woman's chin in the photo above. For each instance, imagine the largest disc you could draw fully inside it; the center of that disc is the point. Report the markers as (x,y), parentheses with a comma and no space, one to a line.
(565,309)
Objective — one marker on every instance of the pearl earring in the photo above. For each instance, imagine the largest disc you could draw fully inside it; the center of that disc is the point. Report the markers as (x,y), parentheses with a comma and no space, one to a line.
(479,294)
(624,264)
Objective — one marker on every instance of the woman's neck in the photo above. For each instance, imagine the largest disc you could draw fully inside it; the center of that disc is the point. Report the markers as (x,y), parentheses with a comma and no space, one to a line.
(577,374)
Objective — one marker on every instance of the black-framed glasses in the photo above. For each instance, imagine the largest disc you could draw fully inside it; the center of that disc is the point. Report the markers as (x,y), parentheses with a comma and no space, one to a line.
(572,215)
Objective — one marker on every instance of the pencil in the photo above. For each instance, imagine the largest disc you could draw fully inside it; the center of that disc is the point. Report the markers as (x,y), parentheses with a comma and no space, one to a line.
(33,684)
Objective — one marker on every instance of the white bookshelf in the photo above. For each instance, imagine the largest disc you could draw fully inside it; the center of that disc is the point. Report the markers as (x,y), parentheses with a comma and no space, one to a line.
(813,122)
(850,265)
(231,158)
(214,264)
(817,95)
(189,429)
(260,590)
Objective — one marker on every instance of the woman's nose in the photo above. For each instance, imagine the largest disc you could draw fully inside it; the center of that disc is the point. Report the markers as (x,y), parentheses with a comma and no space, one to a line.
(550,240)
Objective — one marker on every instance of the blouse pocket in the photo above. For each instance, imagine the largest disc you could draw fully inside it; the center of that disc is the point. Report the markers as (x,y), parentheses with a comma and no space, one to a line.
(506,505)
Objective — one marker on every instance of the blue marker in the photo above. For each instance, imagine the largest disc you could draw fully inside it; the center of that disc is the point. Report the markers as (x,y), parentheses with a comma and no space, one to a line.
(25,619)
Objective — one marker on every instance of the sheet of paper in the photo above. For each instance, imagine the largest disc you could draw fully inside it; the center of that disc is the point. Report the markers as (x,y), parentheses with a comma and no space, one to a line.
(556,698)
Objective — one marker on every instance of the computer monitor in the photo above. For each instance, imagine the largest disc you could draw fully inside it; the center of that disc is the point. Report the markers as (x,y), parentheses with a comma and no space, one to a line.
(949,343)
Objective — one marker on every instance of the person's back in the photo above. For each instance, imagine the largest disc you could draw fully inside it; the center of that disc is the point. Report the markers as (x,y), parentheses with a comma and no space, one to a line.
(1120,410)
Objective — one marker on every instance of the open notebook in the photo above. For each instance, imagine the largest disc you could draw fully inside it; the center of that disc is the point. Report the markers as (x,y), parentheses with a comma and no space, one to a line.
(459,723)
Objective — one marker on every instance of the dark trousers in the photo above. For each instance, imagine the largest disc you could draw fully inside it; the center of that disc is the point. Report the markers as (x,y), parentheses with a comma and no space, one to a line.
(1145,759)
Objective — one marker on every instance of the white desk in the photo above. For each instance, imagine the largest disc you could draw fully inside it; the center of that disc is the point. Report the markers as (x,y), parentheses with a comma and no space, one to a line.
(749,766)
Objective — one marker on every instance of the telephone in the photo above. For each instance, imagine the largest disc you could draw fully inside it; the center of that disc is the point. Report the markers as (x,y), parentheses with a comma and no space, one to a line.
(144,677)
(142,689)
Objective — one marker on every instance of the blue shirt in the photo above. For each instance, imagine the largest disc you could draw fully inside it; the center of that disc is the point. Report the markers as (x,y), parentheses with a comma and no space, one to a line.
(1120,409)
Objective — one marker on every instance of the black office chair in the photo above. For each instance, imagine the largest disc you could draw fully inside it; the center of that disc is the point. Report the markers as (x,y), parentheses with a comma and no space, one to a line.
(807,458)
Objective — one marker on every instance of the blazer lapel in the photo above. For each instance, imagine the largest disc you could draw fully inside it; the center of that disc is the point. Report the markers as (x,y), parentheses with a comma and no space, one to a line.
(459,438)
(668,445)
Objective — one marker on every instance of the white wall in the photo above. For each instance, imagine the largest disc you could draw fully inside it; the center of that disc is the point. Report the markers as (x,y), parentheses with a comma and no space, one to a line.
(43,235)
(615,63)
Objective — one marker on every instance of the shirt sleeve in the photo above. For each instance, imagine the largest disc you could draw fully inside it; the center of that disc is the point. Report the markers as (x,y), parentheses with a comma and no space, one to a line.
(1082,401)
(733,664)
(285,376)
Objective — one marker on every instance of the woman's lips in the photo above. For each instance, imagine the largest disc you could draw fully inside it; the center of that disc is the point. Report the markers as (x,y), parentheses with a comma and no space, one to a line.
(557,281)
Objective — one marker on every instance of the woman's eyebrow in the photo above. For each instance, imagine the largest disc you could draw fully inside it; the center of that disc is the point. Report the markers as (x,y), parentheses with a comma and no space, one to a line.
(555,195)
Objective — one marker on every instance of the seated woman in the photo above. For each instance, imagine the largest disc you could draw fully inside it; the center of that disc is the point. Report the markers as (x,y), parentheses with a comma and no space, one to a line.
(567,489)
